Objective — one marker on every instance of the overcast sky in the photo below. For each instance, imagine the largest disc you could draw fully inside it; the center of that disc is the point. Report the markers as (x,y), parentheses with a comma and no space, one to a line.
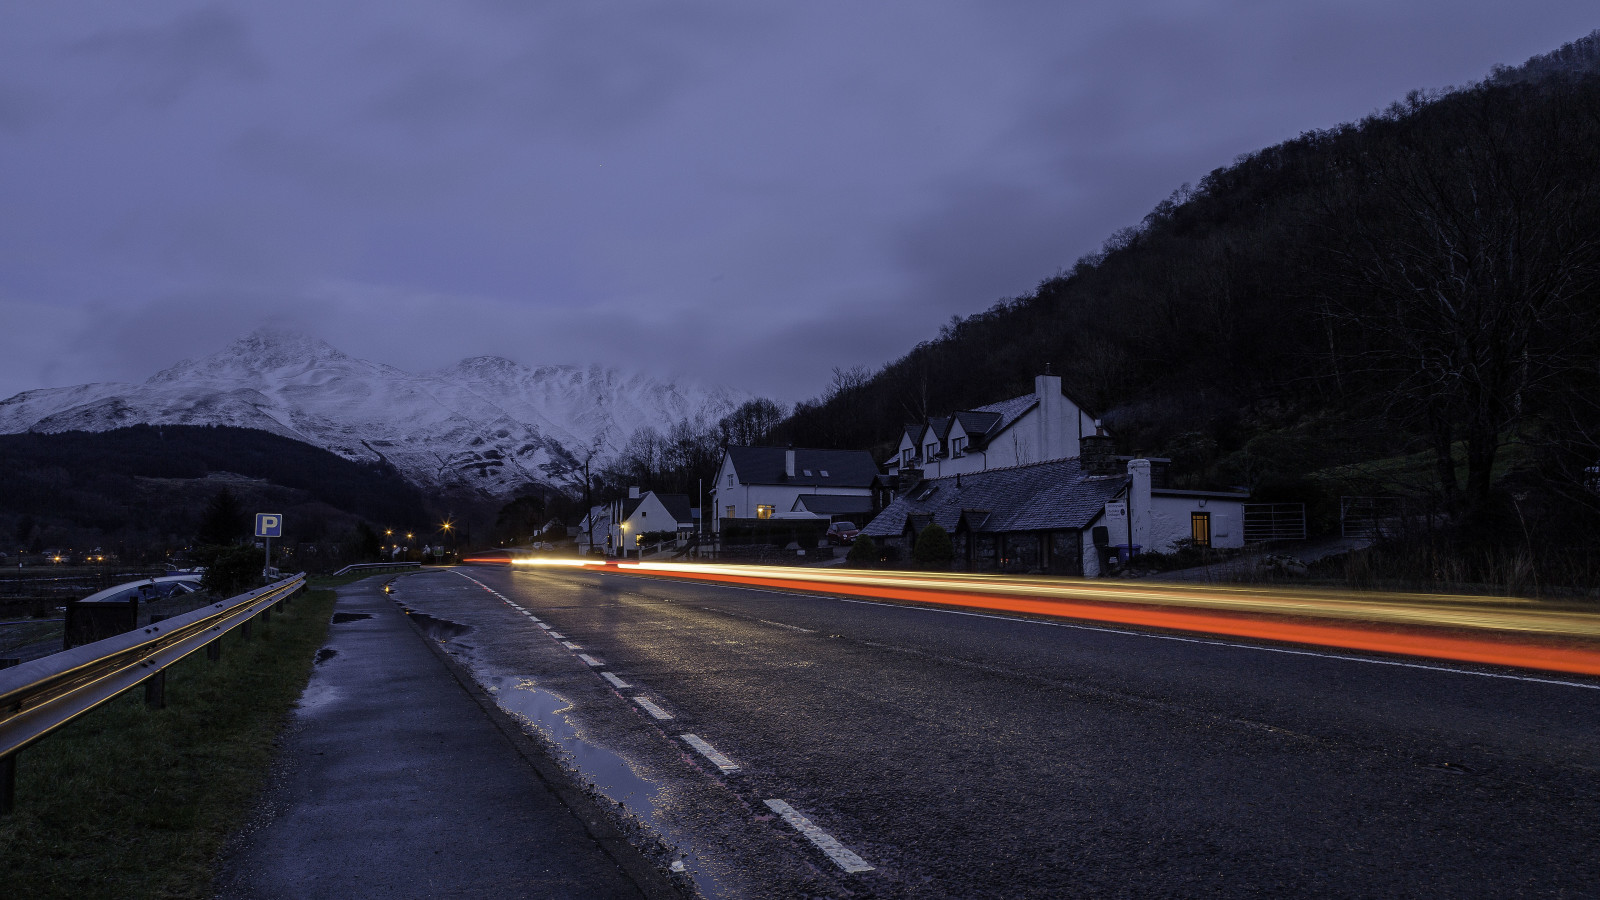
(728,191)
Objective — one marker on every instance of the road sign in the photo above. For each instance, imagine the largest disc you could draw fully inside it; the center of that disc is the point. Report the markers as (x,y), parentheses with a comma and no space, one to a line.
(269,525)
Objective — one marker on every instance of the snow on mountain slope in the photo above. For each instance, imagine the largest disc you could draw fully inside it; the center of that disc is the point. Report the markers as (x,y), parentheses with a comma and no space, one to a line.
(488,423)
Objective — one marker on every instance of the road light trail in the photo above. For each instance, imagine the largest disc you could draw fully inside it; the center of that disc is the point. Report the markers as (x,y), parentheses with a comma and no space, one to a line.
(1464,629)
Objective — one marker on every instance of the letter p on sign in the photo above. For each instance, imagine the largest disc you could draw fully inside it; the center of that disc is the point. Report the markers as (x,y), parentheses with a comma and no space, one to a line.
(269,525)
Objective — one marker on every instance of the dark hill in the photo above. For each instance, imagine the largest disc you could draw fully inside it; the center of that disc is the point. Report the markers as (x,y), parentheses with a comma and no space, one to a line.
(1426,281)
(142,489)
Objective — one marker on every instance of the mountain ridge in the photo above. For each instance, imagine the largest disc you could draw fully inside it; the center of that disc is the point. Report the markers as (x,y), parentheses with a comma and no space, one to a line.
(487,424)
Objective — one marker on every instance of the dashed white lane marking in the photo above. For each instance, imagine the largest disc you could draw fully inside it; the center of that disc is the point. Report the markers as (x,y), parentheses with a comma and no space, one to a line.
(530,615)
(558,636)
(790,627)
(1216,643)
(615,681)
(839,853)
(655,711)
(590,661)
(570,645)
(544,626)
(709,752)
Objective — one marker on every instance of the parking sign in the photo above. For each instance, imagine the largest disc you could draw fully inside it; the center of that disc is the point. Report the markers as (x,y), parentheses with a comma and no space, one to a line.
(269,525)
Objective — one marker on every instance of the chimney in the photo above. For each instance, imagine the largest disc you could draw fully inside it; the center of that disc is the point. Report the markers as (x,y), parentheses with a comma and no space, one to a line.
(633,492)
(1052,417)
(1139,510)
(788,462)
(1096,455)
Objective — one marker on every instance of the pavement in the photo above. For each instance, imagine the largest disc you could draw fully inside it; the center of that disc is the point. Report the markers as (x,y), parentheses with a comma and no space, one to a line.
(397,778)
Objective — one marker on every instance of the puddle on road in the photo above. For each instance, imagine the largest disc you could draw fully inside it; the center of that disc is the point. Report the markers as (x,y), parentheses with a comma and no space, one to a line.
(438,629)
(609,773)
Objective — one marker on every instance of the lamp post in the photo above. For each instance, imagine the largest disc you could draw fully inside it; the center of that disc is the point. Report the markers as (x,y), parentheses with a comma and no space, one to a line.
(622,545)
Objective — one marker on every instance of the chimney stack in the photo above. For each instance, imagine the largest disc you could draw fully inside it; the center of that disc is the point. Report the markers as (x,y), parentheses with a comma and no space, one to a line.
(788,462)
(633,492)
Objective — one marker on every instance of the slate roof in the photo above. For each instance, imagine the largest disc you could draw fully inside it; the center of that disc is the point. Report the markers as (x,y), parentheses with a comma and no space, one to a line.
(940,426)
(977,424)
(1038,497)
(765,465)
(1009,411)
(679,506)
(833,504)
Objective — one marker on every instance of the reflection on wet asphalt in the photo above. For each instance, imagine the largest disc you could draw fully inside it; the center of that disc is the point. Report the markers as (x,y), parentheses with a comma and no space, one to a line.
(970,756)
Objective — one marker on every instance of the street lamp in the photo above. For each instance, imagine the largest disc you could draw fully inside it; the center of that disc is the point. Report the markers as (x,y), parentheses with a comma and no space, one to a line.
(622,545)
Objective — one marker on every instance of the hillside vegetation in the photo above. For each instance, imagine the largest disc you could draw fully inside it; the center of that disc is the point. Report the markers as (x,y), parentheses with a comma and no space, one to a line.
(1425,281)
(142,491)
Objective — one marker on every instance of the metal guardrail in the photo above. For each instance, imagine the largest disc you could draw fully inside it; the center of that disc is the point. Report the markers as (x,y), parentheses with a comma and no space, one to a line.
(376,567)
(40,696)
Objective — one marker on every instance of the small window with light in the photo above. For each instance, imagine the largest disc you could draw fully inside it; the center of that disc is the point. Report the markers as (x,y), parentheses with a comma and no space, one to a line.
(764,511)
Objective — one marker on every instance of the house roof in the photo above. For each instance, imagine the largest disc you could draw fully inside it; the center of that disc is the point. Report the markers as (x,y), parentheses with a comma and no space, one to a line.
(940,426)
(1008,412)
(678,505)
(828,468)
(833,504)
(1038,497)
(977,424)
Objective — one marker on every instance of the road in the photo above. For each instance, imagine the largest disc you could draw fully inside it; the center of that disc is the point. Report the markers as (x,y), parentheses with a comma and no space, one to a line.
(981,755)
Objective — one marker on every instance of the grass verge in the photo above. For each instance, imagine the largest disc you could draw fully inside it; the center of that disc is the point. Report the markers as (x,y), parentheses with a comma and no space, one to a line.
(130,801)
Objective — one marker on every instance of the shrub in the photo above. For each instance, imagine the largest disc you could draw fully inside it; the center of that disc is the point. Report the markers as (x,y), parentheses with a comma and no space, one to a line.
(933,547)
(233,570)
(864,552)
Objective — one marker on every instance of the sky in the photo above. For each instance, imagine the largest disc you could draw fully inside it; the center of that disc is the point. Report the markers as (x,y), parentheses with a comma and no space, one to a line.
(719,191)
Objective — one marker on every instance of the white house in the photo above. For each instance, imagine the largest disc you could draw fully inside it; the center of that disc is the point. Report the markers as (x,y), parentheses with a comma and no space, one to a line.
(1036,427)
(617,525)
(774,482)
(1047,516)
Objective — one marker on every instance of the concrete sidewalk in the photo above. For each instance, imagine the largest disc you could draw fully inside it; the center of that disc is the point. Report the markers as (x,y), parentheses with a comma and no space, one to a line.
(394,781)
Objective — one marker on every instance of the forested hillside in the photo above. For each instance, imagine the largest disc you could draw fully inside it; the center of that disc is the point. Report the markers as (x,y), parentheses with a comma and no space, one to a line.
(141,491)
(1425,282)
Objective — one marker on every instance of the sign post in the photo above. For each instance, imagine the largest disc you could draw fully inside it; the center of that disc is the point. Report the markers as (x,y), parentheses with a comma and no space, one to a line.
(269,526)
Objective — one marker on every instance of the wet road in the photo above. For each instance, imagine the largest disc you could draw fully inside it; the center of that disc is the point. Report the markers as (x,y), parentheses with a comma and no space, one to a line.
(965,755)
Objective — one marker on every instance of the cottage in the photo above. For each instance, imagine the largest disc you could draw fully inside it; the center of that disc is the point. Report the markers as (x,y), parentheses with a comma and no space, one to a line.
(618,524)
(1036,427)
(794,483)
(1048,516)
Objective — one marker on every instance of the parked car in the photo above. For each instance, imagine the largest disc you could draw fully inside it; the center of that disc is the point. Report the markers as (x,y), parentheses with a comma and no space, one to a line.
(842,534)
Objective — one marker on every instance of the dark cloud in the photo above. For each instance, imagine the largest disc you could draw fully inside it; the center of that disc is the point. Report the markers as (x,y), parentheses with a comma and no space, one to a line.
(160,64)
(742,193)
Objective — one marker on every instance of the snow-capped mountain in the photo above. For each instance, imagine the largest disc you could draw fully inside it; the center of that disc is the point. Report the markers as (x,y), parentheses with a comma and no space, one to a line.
(487,423)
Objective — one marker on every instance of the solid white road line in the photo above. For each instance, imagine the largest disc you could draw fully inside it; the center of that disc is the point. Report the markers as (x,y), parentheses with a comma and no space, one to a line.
(615,681)
(709,752)
(657,712)
(846,859)
(589,660)
(790,627)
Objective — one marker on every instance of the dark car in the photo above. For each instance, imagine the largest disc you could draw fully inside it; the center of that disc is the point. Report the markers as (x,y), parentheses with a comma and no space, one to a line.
(842,533)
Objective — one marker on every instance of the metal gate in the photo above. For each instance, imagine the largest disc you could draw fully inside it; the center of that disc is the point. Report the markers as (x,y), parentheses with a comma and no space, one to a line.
(1265,522)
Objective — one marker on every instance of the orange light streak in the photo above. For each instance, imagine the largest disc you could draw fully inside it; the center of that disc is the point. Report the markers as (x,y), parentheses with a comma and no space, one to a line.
(1113,604)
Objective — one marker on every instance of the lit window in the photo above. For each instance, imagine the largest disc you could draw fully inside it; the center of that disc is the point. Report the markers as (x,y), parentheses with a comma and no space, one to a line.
(730,511)
(764,511)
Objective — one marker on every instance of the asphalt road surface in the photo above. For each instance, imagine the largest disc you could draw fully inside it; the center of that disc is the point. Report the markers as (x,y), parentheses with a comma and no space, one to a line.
(975,755)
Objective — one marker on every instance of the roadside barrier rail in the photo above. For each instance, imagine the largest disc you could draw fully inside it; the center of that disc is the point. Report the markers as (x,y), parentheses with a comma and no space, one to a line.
(40,696)
(376,567)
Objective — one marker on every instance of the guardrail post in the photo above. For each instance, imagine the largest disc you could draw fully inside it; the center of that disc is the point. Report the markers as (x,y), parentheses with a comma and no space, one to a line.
(214,649)
(155,687)
(8,763)
(245,628)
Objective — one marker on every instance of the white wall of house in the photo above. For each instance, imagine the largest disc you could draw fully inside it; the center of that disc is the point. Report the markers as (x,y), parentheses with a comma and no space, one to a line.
(746,500)
(1163,518)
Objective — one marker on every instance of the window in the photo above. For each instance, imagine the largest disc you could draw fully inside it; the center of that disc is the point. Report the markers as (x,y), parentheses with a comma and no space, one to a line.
(807,471)
(957,446)
(933,450)
(730,479)
(730,510)
(1200,528)
(764,511)
(905,457)
(824,473)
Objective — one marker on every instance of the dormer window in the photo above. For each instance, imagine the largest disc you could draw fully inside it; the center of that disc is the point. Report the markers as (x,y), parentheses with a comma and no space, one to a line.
(958,446)
(905,457)
(933,450)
